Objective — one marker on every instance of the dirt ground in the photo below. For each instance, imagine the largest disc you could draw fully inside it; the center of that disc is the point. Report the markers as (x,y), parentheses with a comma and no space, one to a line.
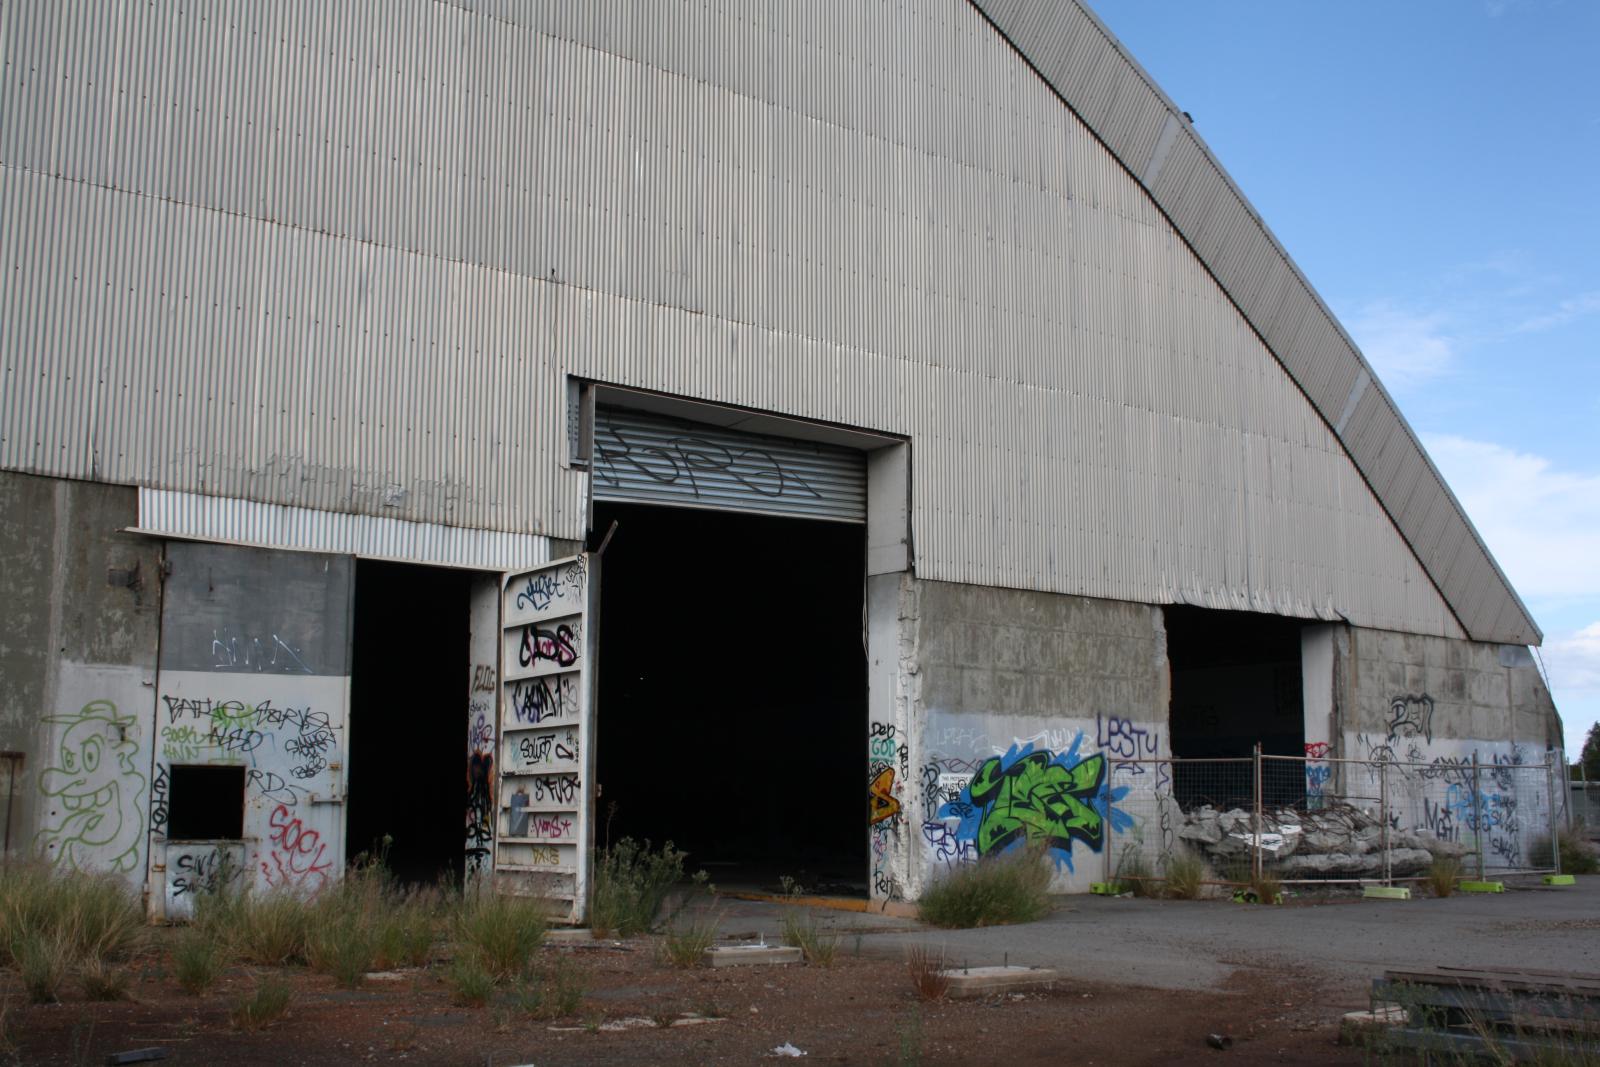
(860,1010)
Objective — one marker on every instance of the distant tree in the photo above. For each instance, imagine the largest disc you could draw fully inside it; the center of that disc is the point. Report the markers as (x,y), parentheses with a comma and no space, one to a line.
(1590,759)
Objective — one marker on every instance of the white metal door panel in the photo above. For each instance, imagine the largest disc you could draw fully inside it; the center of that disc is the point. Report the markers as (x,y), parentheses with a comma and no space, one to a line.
(542,827)
(254,674)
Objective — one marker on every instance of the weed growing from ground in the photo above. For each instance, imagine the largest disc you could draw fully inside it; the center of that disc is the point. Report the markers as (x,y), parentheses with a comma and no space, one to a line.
(503,931)
(1443,874)
(631,886)
(66,917)
(271,929)
(43,958)
(408,927)
(798,927)
(564,989)
(1267,887)
(471,984)
(1133,873)
(927,970)
(1186,876)
(265,1005)
(104,981)
(685,944)
(197,960)
(1012,888)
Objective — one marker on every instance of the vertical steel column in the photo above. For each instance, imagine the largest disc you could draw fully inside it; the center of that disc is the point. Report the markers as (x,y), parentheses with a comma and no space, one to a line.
(1477,811)
(1383,816)
(1550,821)
(1111,834)
(1255,854)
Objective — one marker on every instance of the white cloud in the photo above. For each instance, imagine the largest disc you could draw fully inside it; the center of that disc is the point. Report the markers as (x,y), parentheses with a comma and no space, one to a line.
(1574,660)
(1566,311)
(1405,348)
(1542,524)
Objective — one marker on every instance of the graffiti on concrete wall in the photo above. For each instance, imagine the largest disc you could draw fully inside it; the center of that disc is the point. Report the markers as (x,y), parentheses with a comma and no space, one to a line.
(991,788)
(480,768)
(94,792)
(297,857)
(262,653)
(881,801)
(286,730)
(888,765)
(1479,795)
(1037,797)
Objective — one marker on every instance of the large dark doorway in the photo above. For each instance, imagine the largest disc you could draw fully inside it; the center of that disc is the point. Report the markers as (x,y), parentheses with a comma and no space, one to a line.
(408,698)
(1236,682)
(732,693)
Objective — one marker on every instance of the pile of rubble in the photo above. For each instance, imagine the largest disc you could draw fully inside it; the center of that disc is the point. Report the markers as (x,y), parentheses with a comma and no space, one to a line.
(1342,841)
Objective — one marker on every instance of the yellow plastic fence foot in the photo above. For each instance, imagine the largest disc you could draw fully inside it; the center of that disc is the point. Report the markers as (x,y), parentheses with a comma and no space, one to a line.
(1560,879)
(1482,887)
(1386,892)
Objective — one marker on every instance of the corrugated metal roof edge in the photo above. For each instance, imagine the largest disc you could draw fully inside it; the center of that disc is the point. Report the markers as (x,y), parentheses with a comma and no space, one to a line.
(1027,51)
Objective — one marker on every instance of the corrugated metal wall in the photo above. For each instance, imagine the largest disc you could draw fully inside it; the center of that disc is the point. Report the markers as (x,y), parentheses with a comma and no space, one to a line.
(342,257)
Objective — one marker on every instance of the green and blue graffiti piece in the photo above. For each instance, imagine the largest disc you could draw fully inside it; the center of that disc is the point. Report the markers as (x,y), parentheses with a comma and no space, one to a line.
(95,792)
(1040,797)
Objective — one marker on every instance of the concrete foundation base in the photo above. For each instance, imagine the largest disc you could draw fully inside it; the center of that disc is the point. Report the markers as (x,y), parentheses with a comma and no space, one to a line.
(1356,1026)
(987,981)
(752,955)
(565,934)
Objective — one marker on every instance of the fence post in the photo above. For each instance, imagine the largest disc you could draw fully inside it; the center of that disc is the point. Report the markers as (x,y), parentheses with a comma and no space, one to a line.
(1255,852)
(1111,834)
(1550,821)
(1477,811)
(1383,816)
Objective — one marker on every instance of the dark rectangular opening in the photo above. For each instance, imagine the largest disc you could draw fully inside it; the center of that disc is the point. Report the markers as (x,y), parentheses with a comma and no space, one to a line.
(732,693)
(1236,683)
(205,803)
(408,702)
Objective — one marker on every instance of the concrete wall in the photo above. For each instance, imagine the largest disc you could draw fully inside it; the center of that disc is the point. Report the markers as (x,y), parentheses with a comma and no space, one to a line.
(78,643)
(1433,707)
(1024,699)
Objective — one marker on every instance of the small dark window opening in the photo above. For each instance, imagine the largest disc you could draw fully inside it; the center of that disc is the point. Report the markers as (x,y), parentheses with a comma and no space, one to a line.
(205,804)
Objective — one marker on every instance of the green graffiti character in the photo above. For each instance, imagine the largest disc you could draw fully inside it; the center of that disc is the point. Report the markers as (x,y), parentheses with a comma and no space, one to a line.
(1036,799)
(95,819)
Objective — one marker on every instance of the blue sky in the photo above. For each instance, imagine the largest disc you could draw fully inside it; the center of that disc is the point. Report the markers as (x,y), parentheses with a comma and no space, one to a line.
(1433,166)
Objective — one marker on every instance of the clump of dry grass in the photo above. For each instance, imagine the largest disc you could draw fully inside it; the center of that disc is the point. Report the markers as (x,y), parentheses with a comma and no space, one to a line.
(1443,875)
(994,891)
(266,1004)
(197,960)
(1267,887)
(503,931)
(1186,876)
(685,944)
(928,972)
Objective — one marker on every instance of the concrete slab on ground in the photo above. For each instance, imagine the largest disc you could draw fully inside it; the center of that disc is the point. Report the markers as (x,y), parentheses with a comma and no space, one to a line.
(968,982)
(752,955)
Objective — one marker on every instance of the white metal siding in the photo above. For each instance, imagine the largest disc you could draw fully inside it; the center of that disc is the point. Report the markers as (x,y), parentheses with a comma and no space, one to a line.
(331,256)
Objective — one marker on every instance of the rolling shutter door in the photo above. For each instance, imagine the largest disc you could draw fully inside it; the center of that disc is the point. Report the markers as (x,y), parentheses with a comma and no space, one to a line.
(652,459)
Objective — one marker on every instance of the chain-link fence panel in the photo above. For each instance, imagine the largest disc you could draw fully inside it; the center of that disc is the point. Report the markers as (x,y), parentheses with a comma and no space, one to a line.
(1163,801)
(1583,805)
(1309,820)
(1390,820)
